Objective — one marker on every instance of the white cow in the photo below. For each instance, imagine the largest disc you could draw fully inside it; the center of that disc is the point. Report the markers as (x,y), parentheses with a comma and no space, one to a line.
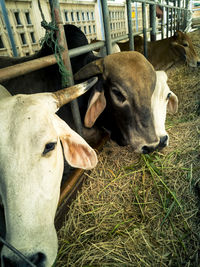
(162,100)
(31,168)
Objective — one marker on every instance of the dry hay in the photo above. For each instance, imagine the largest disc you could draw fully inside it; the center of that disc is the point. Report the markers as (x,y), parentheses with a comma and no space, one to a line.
(136,210)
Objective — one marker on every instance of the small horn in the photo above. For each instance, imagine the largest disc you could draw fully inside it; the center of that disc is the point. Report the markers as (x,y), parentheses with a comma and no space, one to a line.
(91,69)
(66,95)
(3,92)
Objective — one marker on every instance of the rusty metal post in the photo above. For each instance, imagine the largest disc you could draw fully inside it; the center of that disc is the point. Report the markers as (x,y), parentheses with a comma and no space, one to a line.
(55,11)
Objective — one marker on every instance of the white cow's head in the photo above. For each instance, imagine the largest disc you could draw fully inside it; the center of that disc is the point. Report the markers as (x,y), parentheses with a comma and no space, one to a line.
(162,100)
(31,168)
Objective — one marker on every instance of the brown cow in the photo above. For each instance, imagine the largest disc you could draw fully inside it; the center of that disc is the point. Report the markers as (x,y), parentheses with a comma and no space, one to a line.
(163,54)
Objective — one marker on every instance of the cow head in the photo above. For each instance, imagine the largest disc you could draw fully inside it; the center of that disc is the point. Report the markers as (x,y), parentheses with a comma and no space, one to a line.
(162,100)
(182,45)
(31,168)
(123,99)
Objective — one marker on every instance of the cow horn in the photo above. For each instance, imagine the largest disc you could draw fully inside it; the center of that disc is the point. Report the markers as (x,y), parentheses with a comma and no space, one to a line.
(91,69)
(66,95)
(3,92)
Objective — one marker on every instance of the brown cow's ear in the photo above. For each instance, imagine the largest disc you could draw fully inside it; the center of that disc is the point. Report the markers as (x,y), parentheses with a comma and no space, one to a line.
(91,69)
(172,105)
(96,106)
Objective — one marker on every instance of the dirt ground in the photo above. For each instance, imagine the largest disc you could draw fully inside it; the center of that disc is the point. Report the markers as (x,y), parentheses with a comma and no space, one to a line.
(143,210)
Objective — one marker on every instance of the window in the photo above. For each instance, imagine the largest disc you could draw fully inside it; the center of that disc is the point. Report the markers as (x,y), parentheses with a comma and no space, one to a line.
(78,17)
(23,38)
(1,43)
(27,53)
(72,16)
(85,29)
(94,29)
(83,16)
(28,19)
(89,27)
(33,37)
(17,18)
(92,15)
(88,16)
(66,16)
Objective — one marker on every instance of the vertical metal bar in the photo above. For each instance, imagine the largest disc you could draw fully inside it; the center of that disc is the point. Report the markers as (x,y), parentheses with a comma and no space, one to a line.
(144,29)
(101,20)
(171,23)
(130,27)
(162,24)
(55,11)
(175,18)
(186,14)
(178,15)
(167,19)
(8,27)
(106,21)
(152,9)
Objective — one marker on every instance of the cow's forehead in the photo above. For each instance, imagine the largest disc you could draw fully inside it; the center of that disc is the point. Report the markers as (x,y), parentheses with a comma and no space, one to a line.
(132,70)
(24,116)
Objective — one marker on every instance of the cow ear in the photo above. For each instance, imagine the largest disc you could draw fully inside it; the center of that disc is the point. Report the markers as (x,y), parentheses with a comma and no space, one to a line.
(77,152)
(89,70)
(96,105)
(172,105)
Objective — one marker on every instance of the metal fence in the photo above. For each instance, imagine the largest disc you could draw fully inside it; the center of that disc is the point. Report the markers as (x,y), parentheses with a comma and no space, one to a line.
(175,17)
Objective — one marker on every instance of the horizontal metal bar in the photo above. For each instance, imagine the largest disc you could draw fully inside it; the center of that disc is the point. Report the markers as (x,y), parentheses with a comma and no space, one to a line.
(26,67)
(156,3)
(36,64)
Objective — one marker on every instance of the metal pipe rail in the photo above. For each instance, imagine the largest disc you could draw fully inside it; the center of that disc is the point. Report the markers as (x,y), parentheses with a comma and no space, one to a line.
(160,4)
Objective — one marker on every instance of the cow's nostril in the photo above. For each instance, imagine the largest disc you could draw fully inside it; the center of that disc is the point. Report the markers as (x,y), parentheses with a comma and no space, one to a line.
(37,260)
(163,141)
(198,63)
(147,149)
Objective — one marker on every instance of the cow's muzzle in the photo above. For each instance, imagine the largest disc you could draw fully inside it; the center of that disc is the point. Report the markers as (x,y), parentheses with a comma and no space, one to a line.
(37,260)
(163,143)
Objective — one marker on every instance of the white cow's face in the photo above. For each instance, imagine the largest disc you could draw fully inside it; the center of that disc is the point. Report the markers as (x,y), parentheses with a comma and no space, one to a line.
(163,100)
(31,167)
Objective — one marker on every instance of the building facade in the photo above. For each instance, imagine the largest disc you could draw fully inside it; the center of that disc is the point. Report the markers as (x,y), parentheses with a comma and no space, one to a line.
(25,20)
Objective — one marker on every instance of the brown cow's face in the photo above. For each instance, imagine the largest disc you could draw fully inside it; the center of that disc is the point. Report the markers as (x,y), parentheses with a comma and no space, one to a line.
(183,45)
(124,99)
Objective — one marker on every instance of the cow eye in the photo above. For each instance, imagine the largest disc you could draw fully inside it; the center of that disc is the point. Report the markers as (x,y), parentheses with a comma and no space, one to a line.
(168,96)
(185,44)
(119,95)
(49,147)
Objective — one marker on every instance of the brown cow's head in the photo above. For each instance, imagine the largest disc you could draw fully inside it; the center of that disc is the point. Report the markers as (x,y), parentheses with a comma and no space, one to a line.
(182,44)
(122,100)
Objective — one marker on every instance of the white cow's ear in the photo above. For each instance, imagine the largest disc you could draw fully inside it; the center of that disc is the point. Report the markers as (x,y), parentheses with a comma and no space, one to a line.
(96,106)
(76,150)
(172,105)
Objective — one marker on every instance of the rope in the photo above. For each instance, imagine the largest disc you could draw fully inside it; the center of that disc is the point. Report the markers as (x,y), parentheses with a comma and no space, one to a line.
(51,40)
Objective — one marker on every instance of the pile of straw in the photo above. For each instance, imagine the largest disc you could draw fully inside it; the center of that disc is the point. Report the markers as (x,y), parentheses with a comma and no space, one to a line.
(142,210)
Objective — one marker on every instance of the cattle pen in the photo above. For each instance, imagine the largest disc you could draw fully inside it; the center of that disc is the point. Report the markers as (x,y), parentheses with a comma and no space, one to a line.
(132,204)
